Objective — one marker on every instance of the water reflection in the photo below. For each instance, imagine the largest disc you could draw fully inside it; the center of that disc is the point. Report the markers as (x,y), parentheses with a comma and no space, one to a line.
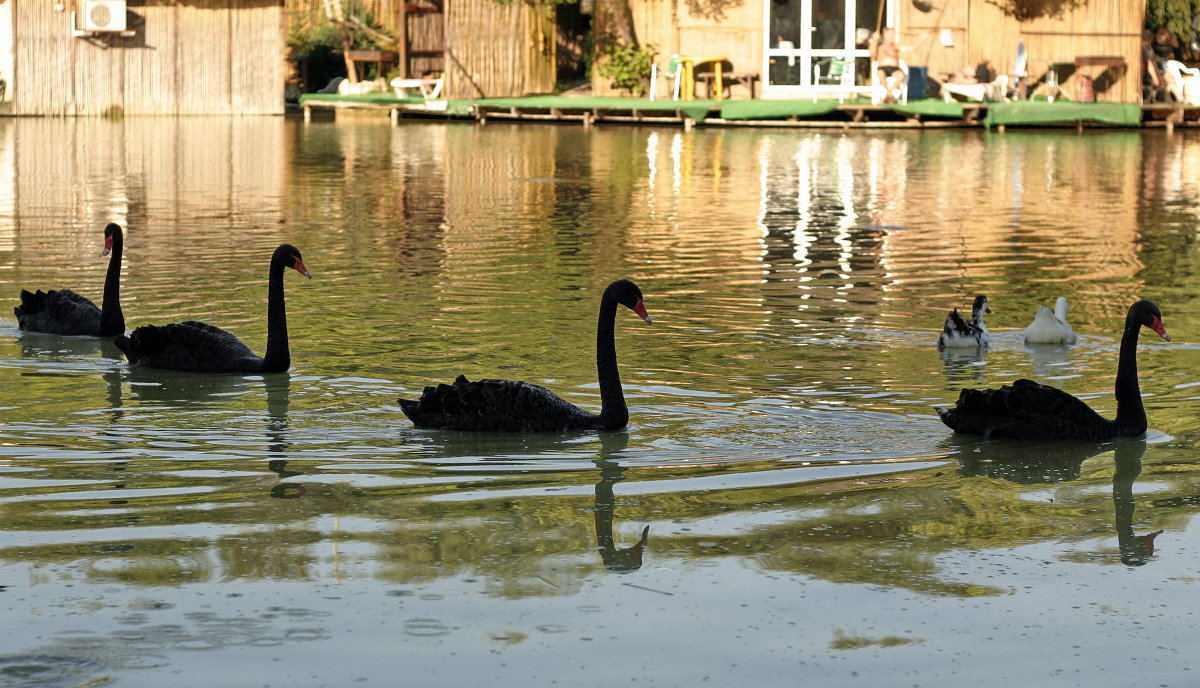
(782,412)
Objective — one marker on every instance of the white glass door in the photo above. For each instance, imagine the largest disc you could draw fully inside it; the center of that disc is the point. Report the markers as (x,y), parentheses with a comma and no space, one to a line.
(810,43)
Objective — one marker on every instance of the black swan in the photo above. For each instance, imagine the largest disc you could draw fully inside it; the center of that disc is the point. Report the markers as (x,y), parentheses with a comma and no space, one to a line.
(1028,410)
(62,311)
(512,406)
(198,346)
(959,333)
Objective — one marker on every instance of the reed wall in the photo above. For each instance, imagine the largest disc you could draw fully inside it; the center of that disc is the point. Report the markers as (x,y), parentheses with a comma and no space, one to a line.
(495,50)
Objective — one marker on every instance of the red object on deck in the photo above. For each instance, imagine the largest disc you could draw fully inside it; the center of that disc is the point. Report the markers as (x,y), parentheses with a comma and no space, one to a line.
(1083,90)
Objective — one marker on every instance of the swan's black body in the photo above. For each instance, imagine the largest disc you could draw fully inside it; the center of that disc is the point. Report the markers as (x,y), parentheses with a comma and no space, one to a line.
(62,311)
(957,333)
(507,405)
(198,346)
(1029,410)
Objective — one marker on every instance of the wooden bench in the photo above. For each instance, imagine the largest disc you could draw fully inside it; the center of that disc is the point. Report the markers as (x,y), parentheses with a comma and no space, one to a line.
(728,80)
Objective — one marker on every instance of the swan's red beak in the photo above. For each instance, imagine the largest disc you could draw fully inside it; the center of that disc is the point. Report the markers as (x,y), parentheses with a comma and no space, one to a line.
(299,265)
(1157,326)
(640,309)
(1150,541)
(108,241)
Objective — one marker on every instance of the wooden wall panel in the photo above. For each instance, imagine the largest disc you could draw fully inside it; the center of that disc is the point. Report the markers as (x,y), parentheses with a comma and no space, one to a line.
(258,61)
(151,61)
(43,60)
(194,57)
(205,64)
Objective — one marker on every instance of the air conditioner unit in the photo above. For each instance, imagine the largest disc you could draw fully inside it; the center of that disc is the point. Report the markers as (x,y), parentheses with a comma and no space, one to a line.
(104,15)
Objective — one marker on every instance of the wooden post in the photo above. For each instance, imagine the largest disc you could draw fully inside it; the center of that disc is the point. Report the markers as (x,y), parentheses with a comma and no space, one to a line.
(307,113)
(402,40)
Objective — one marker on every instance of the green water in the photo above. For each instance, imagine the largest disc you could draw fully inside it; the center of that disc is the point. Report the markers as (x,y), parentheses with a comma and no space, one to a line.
(809,517)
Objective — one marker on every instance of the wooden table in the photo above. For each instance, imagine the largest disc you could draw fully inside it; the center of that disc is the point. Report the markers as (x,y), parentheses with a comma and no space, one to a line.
(365,57)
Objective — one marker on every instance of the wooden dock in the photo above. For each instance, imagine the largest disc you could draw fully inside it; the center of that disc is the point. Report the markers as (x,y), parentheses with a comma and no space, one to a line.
(773,114)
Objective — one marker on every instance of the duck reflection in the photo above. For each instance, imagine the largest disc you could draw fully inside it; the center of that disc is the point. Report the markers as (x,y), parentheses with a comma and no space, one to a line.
(964,364)
(1031,462)
(1048,359)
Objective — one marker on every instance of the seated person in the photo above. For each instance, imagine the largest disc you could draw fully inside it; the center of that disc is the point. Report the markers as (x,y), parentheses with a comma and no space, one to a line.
(886,53)
(980,73)
(976,82)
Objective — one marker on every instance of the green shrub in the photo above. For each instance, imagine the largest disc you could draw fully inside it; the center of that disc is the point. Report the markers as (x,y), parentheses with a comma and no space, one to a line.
(628,66)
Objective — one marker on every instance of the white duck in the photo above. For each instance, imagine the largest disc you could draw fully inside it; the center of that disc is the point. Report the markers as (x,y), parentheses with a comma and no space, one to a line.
(959,333)
(1050,328)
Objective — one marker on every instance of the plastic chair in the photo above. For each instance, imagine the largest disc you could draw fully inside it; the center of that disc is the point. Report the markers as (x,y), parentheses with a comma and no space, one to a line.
(880,91)
(1173,72)
(841,72)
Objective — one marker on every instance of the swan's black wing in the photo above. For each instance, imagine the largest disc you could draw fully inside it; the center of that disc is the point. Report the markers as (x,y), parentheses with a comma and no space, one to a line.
(190,345)
(1026,410)
(60,311)
(504,405)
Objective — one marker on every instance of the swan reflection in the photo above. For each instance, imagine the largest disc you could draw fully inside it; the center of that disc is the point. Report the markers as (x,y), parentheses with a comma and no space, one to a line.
(1135,549)
(611,473)
(58,347)
(278,387)
(1033,462)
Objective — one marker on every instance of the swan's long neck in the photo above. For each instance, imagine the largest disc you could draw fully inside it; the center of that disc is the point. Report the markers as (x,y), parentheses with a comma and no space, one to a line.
(1131,415)
(613,412)
(278,356)
(112,320)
